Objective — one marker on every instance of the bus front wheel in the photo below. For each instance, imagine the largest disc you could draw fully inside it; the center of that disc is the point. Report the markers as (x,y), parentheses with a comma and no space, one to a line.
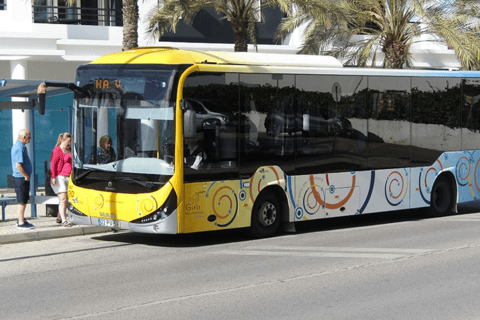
(266,215)
(441,200)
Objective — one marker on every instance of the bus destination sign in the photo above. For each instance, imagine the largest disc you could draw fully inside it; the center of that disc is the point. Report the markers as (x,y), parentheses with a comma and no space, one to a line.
(104,84)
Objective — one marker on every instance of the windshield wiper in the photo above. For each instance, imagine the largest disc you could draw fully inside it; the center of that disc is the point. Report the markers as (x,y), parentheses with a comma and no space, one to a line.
(88,171)
(146,184)
(83,174)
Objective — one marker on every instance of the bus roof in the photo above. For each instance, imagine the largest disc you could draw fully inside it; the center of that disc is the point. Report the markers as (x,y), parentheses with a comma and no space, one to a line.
(172,56)
(274,62)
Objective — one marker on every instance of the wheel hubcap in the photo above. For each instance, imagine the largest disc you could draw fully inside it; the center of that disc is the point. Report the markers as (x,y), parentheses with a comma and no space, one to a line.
(268,214)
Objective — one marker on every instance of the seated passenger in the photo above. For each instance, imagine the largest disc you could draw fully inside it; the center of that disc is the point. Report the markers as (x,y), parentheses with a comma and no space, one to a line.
(193,154)
(105,152)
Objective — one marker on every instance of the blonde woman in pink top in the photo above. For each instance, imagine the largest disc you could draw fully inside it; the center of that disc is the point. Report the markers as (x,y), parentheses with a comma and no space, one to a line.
(60,168)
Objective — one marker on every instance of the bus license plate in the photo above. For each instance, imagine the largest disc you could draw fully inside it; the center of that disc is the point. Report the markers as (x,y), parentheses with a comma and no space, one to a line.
(108,223)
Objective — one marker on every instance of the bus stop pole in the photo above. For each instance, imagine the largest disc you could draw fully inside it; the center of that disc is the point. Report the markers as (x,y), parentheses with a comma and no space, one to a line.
(33,179)
(70,119)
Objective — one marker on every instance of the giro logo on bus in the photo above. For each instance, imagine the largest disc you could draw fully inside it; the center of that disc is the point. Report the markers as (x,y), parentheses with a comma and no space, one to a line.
(106,84)
(196,202)
(192,207)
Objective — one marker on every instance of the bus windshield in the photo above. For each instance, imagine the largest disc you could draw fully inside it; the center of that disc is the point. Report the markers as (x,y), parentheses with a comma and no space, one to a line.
(124,121)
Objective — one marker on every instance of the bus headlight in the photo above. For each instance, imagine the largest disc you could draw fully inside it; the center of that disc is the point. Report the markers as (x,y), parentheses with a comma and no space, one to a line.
(161,213)
(75,211)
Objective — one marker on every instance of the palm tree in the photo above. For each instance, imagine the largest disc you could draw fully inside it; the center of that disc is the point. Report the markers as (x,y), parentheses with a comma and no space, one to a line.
(356,30)
(130,24)
(243,15)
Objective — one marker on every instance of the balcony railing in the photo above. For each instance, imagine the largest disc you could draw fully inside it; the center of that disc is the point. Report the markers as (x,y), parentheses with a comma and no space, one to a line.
(77,15)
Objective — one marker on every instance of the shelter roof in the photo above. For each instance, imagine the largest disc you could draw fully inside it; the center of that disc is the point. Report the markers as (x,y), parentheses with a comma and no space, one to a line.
(26,90)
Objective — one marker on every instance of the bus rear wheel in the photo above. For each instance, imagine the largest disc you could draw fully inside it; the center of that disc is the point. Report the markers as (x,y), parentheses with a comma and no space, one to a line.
(266,215)
(441,200)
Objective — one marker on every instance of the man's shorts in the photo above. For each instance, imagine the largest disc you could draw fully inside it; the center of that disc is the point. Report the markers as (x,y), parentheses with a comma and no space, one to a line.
(22,189)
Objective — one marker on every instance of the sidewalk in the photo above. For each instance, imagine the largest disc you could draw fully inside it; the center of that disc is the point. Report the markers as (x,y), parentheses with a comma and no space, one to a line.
(45,226)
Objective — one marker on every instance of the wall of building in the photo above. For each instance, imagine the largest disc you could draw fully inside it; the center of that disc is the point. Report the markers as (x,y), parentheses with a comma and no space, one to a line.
(4,69)
(49,70)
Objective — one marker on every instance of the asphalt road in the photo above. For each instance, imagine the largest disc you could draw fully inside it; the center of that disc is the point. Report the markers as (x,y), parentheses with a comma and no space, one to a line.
(391,266)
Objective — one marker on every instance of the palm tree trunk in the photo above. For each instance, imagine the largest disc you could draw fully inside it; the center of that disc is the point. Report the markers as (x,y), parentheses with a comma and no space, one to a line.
(240,34)
(130,24)
(395,54)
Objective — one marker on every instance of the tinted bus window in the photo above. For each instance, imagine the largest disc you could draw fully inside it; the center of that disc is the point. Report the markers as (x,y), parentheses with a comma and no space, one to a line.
(388,122)
(435,118)
(333,122)
(471,114)
(269,120)
(351,130)
(212,153)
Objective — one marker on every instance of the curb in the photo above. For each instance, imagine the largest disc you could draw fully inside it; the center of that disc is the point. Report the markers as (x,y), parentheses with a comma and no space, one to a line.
(51,234)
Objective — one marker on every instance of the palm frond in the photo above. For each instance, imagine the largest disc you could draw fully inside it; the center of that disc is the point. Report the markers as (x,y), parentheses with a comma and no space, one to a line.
(362,31)
(167,15)
(244,15)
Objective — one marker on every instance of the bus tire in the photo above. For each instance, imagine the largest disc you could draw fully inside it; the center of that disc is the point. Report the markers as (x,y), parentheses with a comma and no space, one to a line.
(266,215)
(441,199)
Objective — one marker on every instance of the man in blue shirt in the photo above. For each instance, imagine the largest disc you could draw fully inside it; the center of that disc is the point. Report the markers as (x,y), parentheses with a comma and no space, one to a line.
(22,169)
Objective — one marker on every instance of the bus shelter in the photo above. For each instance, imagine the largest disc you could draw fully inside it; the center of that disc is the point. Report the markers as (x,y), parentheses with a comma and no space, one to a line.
(22,95)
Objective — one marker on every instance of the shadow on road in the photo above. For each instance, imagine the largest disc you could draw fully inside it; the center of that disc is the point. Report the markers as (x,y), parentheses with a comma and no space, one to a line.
(469,207)
(239,235)
(180,240)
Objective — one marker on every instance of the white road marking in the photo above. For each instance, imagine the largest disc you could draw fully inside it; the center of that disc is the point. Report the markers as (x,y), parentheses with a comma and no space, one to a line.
(343,249)
(327,252)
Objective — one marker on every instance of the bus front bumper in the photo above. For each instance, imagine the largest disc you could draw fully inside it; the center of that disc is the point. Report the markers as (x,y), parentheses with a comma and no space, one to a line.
(164,226)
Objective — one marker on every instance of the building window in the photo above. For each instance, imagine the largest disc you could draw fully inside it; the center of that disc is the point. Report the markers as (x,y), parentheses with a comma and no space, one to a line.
(3,4)
(85,12)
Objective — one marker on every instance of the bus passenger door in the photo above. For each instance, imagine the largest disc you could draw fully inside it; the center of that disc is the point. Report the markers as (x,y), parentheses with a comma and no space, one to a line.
(212,190)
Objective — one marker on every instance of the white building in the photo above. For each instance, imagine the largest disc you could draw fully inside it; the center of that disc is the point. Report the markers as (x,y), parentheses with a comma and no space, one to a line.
(49,41)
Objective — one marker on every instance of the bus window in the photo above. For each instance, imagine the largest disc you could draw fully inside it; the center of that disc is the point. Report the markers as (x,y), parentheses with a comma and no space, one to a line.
(334,127)
(212,152)
(315,105)
(268,121)
(435,118)
(470,113)
(351,142)
(389,122)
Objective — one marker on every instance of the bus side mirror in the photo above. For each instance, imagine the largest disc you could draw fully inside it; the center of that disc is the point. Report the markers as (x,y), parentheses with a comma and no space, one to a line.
(189,124)
(41,92)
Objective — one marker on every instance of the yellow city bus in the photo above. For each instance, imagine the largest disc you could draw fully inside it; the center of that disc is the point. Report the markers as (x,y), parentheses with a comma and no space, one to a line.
(174,141)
